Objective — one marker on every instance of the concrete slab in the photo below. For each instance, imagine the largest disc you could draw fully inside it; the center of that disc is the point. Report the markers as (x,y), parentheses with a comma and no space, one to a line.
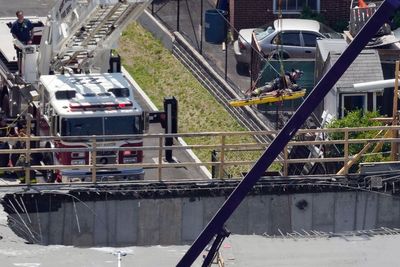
(323,211)
(259,251)
(258,214)
(345,211)
(192,219)
(302,212)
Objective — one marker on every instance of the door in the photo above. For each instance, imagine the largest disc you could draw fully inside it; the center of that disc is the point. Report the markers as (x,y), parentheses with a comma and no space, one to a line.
(309,43)
(291,44)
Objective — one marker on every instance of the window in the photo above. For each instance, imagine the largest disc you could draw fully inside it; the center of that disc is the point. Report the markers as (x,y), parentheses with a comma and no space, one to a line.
(296,6)
(310,39)
(287,38)
(351,102)
(100,126)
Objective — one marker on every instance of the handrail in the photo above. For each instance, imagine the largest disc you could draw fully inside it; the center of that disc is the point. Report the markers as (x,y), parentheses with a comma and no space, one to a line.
(222,144)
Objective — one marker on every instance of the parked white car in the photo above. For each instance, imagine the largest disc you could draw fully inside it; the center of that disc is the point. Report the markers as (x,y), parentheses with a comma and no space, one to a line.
(291,38)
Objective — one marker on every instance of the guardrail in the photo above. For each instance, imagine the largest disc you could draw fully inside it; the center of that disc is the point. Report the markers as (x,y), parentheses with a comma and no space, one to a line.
(236,150)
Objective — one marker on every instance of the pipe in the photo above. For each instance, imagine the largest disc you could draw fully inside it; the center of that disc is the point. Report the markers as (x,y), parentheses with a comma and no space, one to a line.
(374,85)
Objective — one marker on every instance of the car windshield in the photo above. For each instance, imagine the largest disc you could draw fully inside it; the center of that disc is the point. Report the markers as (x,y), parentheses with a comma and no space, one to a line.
(118,125)
(328,32)
(261,33)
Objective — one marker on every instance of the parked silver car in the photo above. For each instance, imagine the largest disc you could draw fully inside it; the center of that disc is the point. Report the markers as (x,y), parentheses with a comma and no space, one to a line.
(291,38)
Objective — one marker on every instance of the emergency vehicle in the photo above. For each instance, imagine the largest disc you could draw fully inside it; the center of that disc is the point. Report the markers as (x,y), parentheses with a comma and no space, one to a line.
(84,105)
(71,80)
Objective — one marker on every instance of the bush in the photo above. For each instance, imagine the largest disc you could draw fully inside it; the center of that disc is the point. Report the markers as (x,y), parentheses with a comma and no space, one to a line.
(341,25)
(358,119)
(308,13)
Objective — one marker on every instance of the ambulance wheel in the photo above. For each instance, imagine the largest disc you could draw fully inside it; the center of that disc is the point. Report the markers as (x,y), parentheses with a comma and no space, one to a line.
(48,175)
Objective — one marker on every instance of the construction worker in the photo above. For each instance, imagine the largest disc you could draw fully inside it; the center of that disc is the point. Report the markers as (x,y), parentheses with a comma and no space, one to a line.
(287,82)
(21,161)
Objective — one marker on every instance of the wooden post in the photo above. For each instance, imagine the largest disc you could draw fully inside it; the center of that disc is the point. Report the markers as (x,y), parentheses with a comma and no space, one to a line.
(346,152)
(160,161)
(222,158)
(285,161)
(94,162)
(28,147)
(394,149)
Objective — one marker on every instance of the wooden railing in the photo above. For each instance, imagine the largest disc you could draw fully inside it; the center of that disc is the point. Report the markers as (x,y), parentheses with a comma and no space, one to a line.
(246,152)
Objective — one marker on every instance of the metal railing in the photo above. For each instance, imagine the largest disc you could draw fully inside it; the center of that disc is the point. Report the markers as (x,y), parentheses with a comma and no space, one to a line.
(235,149)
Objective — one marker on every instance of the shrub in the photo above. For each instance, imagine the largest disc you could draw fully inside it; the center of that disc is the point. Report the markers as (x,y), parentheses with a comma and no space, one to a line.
(358,119)
(308,13)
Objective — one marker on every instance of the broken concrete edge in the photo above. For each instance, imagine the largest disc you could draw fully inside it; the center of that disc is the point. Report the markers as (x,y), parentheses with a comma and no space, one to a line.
(154,108)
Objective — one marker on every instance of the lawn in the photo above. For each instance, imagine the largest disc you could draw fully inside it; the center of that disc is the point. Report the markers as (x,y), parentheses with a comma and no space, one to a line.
(160,74)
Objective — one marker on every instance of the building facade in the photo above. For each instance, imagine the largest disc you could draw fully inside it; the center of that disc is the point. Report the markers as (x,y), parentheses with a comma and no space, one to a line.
(254,13)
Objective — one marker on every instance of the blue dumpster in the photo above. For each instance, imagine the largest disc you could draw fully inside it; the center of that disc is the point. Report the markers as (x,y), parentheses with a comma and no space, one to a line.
(215,26)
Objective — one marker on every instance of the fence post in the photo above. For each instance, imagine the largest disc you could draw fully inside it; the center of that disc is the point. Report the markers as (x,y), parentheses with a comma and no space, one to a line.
(201,26)
(94,162)
(160,153)
(213,167)
(222,157)
(346,151)
(28,148)
(394,148)
(178,10)
(285,163)
(226,57)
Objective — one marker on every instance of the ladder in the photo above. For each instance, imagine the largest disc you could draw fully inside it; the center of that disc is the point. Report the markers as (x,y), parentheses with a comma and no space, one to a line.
(98,32)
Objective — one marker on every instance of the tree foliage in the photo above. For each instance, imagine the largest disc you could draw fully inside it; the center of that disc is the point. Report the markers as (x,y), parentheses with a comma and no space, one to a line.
(308,13)
(358,119)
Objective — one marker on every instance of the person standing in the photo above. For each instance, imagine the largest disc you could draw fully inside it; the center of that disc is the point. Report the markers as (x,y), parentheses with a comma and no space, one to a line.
(22,30)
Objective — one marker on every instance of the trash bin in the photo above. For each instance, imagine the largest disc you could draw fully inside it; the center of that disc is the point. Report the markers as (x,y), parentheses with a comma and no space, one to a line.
(215,26)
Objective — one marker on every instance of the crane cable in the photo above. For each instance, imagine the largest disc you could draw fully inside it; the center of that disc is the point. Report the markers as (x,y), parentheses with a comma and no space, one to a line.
(280,54)
(280,44)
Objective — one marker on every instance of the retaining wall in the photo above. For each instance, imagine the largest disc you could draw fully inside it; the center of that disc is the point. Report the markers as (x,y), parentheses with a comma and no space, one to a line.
(174,221)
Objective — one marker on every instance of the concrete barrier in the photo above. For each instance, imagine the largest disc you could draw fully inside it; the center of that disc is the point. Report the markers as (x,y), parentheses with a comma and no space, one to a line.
(175,221)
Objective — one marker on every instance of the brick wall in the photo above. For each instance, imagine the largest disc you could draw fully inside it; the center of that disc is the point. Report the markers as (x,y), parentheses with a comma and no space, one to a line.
(335,11)
(253,13)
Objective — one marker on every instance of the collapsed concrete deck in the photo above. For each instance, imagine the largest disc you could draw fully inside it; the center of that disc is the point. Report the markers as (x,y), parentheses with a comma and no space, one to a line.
(174,213)
(277,225)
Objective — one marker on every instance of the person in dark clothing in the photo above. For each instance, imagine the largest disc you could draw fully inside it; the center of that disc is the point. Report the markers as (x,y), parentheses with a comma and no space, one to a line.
(288,81)
(22,30)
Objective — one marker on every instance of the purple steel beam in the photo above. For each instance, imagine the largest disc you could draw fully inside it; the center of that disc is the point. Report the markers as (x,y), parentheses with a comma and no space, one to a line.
(314,98)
